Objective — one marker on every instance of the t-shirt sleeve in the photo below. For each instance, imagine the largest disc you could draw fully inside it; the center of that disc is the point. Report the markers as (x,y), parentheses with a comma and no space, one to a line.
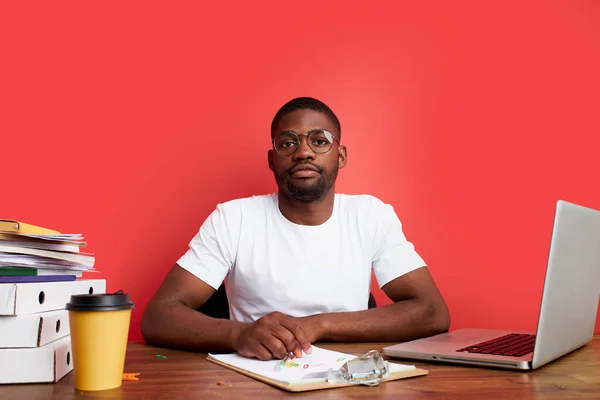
(211,252)
(394,255)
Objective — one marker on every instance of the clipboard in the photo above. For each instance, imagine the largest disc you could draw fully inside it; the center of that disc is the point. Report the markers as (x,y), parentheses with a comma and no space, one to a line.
(305,387)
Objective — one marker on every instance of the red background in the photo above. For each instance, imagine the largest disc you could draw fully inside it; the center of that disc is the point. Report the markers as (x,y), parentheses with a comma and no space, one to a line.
(129,122)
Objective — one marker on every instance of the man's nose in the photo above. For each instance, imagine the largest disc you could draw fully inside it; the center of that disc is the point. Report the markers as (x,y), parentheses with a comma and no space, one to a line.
(304,151)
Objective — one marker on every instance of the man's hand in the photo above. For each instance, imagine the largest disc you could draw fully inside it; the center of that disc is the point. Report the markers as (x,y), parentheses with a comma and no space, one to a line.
(273,336)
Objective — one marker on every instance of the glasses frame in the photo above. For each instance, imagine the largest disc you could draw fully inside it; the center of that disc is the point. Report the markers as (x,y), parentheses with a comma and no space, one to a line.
(335,139)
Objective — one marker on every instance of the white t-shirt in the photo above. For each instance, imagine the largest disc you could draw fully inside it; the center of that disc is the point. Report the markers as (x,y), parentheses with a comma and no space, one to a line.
(271,264)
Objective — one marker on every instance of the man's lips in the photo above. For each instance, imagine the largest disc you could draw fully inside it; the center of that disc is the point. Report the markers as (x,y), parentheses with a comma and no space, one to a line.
(304,171)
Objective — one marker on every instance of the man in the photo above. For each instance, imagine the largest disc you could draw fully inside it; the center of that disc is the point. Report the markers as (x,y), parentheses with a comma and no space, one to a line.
(297,264)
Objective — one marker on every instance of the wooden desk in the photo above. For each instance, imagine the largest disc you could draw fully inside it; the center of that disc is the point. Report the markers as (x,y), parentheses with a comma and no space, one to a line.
(186,375)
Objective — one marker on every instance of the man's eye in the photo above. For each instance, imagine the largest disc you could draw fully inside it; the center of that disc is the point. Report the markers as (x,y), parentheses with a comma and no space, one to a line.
(287,144)
(320,142)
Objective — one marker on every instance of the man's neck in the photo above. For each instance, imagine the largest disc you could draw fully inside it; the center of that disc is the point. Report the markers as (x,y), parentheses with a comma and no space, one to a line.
(307,213)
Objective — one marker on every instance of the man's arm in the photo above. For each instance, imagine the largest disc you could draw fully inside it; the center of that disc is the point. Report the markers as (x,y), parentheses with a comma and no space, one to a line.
(419,311)
(171,320)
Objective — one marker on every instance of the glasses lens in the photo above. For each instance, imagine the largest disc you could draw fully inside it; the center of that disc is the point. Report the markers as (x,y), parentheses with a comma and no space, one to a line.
(286,143)
(320,141)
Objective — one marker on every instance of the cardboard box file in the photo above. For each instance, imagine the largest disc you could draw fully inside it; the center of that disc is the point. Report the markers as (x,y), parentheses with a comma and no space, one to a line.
(32,298)
(33,330)
(48,363)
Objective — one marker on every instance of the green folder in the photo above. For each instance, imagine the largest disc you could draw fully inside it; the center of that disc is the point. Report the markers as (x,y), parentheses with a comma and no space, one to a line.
(17,271)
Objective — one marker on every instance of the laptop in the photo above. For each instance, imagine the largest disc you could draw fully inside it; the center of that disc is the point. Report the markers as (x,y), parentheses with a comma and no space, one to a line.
(567,313)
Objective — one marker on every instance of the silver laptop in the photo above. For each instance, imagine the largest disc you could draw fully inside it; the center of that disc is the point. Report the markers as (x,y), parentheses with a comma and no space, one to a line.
(567,314)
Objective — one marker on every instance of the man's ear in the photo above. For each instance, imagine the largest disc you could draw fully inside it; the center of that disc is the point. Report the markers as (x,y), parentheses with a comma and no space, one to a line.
(342,156)
(270,158)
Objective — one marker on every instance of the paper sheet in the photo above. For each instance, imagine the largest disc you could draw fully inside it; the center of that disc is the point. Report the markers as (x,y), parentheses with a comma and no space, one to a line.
(307,369)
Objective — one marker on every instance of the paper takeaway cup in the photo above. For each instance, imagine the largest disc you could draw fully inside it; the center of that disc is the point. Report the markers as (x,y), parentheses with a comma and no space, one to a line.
(99,329)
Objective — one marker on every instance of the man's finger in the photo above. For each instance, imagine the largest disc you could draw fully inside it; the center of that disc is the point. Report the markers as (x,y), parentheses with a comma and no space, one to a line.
(252,348)
(261,352)
(297,351)
(285,336)
(275,346)
(298,331)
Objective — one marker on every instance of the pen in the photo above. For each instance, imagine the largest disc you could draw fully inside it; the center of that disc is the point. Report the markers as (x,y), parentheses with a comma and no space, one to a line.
(281,364)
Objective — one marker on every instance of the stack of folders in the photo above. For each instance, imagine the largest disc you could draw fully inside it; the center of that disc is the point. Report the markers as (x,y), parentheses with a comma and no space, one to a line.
(30,253)
(39,271)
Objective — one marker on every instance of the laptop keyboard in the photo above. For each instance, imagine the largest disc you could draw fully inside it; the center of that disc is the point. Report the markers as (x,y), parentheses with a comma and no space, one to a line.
(512,345)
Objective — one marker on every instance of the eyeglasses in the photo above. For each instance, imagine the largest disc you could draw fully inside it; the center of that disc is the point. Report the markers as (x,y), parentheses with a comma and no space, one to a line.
(320,141)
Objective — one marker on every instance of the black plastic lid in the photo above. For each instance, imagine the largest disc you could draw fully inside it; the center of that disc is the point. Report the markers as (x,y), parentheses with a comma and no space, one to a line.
(100,302)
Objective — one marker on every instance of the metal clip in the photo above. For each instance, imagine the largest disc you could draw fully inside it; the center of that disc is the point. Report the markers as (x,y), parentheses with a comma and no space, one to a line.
(368,369)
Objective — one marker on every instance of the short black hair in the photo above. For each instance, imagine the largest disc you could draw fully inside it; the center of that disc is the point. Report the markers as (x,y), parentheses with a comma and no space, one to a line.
(307,103)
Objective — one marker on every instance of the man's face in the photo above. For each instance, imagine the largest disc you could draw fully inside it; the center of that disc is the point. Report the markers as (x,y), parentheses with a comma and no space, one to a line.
(306,175)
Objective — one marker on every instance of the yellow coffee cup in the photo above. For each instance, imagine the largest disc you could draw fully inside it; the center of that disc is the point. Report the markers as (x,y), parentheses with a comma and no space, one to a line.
(99,329)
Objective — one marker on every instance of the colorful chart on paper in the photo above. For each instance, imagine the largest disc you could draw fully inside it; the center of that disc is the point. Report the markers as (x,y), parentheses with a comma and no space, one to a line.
(307,369)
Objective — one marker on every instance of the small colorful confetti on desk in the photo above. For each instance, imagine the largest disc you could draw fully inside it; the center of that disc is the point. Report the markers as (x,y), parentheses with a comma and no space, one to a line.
(131,376)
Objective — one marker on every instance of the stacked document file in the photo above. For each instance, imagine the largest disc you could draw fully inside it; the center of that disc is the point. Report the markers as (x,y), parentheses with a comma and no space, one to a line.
(28,254)
(39,268)
(35,336)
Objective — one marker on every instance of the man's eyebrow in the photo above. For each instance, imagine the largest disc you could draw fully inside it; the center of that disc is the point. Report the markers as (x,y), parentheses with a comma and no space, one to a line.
(310,131)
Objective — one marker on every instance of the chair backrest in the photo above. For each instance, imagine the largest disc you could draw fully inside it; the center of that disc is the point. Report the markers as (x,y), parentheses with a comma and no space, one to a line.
(217,306)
